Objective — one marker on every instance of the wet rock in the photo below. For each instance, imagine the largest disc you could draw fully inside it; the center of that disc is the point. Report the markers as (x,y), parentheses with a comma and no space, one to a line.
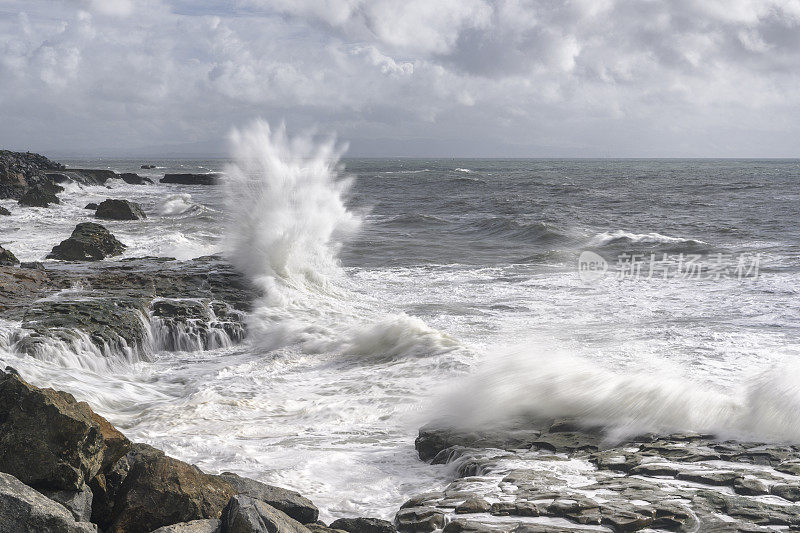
(20,171)
(4,211)
(248,515)
(789,467)
(38,196)
(24,510)
(107,485)
(91,205)
(363,525)
(750,486)
(514,509)
(147,166)
(18,288)
(568,442)
(434,438)
(160,491)
(50,440)
(135,179)
(77,502)
(7,258)
(113,209)
(284,500)
(189,325)
(191,179)
(623,517)
(88,242)
(654,469)
(709,478)
(90,176)
(787,491)
(473,505)
(195,526)
(419,519)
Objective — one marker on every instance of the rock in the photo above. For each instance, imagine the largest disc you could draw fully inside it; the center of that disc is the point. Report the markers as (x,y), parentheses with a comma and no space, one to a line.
(23,510)
(191,179)
(422,519)
(119,210)
(38,197)
(363,525)
(654,469)
(248,515)
(434,438)
(473,505)
(90,176)
(77,502)
(7,258)
(20,171)
(160,491)
(748,486)
(567,441)
(284,500)
(787,491)
(88,242)
(134,179)
(4,211)
(50,440)
(195,526)
(91,205)
(709,478)
(147,166)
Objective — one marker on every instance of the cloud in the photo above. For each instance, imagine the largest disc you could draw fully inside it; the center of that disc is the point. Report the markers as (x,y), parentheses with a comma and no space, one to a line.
(580,77)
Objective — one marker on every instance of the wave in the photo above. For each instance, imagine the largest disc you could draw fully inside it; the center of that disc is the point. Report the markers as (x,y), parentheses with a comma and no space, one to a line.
(413,219)
(510,228)
(179,204)
(535,381)
(620,238)
(287,221)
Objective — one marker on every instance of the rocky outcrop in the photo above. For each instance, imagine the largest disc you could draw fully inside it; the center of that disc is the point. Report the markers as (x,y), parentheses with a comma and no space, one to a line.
(7,258)
(20,171)
(135,179)
(24,510)
(195,324)
(88,242)
(4,212)
(50,440)
(192,179)
(287,501)
(38,196)
(244,514)
(89,176)
(112,209)
(159,491)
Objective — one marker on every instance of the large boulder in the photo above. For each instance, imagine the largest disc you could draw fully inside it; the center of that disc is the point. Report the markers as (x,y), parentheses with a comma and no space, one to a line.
(248,515)
(119,210)
(38,196)
(88,242)
(20,171)
(23,510)
(191,179)
(77,502)
(134,179)
(49,440)
(284,500)
(7,258)
(160,491)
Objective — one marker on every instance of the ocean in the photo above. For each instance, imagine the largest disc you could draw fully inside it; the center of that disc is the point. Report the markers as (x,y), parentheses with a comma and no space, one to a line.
(401,290)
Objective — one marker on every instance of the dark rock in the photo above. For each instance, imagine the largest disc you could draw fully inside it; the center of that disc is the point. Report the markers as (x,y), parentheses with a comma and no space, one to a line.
(119,210)
(57,177)
(24,510)
(787,491)
(135,179)
(363,525)
(567,442)
(50,440)
(191,179)
(18,288)
(248,515)
(88,242)
(4,211)
(77,502)
(419,519)
(91,205)
(709,478)
(473,505)
(90,176)
(160,491)
(433,439)
(147,166)
(750,487)
(7,258)
(195,526)
(654,469)
(284,500)
(38,197)
(20,171)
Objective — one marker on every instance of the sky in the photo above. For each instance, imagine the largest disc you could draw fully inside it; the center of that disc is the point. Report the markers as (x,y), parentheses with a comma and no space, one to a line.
(427,78)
